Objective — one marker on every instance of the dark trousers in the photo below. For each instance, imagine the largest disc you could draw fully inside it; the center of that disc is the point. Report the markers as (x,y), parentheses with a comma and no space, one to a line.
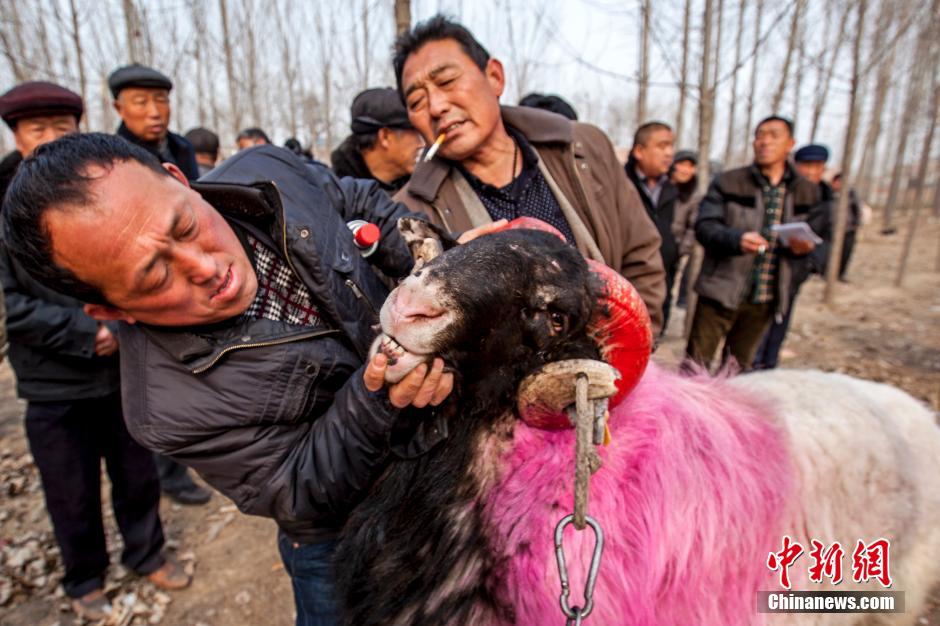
(68,441)
(310,566)
(667,303)
(768,353)
(173,475)
(741,328)
(847,246)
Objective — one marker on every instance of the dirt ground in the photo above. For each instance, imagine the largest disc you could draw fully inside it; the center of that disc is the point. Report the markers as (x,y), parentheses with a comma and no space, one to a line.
(874,331)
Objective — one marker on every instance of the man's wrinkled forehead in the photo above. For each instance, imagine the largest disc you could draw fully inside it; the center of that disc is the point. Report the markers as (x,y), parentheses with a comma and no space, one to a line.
(447,54)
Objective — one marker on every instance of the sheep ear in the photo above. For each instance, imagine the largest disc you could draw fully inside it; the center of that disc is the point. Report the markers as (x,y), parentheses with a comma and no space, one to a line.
(425,240)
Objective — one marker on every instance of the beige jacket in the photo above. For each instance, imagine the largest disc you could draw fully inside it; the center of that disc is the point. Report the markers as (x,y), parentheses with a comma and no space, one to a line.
(601,206)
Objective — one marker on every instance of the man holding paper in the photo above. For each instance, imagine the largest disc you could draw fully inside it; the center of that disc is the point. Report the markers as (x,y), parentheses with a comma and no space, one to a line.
(746,274)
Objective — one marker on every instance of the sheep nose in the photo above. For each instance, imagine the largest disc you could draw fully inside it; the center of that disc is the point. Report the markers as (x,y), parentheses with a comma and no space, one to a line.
(412,304)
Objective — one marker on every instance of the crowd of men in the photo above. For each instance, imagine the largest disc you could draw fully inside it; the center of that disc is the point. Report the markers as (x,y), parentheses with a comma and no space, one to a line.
(242,313)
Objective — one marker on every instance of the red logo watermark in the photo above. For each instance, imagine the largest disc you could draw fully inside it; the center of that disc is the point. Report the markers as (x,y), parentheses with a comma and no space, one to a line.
(869,561)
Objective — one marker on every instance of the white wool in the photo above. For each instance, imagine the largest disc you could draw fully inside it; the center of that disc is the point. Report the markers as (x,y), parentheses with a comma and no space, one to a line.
(867,457)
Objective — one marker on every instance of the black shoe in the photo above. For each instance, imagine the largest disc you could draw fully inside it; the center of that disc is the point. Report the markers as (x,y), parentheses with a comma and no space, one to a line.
(190,495)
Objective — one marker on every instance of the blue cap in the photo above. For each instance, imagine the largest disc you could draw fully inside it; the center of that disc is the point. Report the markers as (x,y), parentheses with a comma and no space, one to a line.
(812,152)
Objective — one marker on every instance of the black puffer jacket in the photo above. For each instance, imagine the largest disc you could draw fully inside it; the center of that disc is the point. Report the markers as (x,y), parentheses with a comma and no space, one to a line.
(276,416)
(348,161)
(183,153)
(52,341)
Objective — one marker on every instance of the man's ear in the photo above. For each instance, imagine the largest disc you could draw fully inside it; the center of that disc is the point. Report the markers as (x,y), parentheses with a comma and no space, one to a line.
(105,313)
(496,76)
(382,136)
(176,173)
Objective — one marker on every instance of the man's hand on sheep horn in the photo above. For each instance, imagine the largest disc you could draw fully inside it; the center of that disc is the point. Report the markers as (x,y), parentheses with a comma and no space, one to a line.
(418,388)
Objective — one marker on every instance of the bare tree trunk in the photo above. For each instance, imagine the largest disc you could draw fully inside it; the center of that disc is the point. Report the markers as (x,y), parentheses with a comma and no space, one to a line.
(791,46)
(798,74)
(684,77)
(288,68)
(936,197)
(734,83)
(842,208)
(365,43)
(921,178)
(911,108)
(79,58)
(236,117)
(44,37)
(644,76)
(706,110)
(754,63)
(719,39)
(13,48)
(132,31)
(825,76)
(202,92)
(325,42)
(402,16)
(882,82)
(251,62)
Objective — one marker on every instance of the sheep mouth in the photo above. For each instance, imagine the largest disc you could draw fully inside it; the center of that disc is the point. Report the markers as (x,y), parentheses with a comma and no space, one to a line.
(401,360)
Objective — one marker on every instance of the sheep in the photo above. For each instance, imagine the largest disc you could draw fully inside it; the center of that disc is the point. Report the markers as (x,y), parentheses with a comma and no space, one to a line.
(701,481)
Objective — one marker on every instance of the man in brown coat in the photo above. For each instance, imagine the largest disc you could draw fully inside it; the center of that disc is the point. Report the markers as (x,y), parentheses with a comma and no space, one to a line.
(507,162)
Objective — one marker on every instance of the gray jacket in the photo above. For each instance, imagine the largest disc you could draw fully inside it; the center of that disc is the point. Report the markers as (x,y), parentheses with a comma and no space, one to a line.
(733,206)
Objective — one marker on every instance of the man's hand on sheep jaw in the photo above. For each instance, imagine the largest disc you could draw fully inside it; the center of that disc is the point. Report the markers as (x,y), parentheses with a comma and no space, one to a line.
(418,388)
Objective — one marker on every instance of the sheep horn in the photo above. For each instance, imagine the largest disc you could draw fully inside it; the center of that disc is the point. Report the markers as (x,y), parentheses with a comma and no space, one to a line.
(546,393)
(622,329)
(424,240)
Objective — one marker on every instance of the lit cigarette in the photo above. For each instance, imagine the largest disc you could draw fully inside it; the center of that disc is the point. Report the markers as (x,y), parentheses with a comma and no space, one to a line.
(435,147)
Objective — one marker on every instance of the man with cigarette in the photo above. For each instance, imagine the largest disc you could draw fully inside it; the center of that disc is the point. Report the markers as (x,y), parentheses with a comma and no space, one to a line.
(491,162)
(745,278)
(383,145)
(247,315)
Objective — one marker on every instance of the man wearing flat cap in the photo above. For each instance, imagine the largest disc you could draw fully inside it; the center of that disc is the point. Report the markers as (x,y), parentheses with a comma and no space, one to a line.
(67,372)
(142,99)
(383,146)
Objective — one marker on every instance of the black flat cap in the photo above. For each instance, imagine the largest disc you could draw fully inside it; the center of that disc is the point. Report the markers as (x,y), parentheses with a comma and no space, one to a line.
(137,75)
(378,108)
(37,98)
(686,155)
(812,152)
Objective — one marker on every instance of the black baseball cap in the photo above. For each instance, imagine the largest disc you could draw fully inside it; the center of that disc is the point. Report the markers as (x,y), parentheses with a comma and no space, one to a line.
(378,108)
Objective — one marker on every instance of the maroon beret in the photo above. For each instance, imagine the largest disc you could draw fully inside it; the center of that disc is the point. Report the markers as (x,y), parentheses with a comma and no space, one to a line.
(37,98)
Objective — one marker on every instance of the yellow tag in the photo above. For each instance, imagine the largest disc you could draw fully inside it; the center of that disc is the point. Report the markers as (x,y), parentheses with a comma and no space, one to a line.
(606,428)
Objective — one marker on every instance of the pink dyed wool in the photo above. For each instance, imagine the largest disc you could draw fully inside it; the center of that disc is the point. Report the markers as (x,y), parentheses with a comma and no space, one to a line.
(691,490)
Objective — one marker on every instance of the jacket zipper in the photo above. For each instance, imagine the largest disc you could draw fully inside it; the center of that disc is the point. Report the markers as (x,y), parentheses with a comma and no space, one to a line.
(262,344)
(359,295)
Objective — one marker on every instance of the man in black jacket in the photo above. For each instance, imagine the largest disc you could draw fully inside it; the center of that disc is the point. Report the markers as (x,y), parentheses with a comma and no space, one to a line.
(383,146)
(67,372)
(142,99)
(648,169)
(248,317)
(745,278)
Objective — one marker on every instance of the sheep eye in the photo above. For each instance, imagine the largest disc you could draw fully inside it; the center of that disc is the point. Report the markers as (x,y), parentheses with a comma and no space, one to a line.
(559,321)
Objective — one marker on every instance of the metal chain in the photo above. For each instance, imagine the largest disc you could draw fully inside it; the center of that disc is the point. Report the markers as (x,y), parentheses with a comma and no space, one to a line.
(589,429)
